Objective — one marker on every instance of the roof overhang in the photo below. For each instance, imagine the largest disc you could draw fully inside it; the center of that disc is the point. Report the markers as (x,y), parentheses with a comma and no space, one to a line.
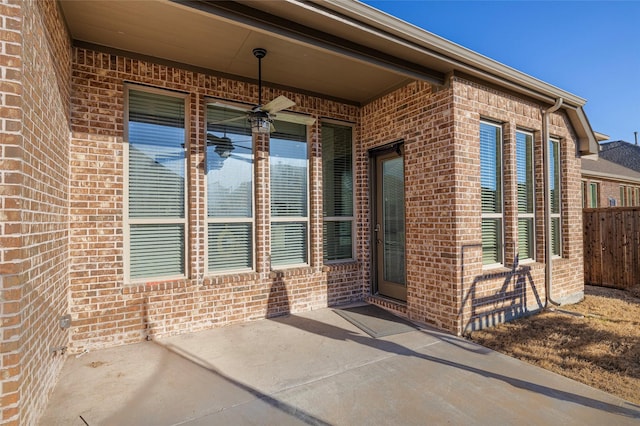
(339,49)
(610,176)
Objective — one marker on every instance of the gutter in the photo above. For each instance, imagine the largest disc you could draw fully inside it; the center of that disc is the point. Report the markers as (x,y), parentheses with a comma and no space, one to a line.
(548,273)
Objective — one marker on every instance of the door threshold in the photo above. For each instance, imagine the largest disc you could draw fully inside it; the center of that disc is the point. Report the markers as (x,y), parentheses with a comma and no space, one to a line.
(396,306)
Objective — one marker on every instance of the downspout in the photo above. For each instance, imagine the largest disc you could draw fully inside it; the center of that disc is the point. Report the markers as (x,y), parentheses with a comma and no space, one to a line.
(547,204)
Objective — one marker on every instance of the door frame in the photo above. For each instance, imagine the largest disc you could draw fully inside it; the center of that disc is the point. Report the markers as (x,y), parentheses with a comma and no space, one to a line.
(397,148)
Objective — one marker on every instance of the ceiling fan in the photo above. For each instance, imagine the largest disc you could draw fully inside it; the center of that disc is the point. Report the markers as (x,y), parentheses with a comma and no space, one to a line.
(261,117)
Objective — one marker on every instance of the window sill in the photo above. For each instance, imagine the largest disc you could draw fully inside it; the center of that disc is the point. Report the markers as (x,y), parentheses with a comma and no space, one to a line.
(291,271)
(157,285)
(343,265)
(231,277)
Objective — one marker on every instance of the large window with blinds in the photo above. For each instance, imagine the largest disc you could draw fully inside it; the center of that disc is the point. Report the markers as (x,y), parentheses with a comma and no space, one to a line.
(288,162)
(526,195)
(556,197)
(155,187)
(229,168)
(491,184)
(337,195)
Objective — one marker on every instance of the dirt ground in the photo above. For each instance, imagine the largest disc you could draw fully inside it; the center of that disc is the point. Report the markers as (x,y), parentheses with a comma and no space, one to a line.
(599,344)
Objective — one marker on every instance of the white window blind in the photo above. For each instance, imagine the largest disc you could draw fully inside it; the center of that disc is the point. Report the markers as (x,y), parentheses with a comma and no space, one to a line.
(491,184)
(337,197)
(229,190)
(289,194)
(156,184)
(526,183)
(556,197)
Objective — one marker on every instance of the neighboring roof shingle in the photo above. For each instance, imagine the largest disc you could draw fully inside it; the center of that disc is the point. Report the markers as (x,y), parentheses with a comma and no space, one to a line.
(605,168)
(624,153)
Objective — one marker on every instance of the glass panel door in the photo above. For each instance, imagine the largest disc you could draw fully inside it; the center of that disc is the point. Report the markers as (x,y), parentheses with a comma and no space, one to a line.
(390,226)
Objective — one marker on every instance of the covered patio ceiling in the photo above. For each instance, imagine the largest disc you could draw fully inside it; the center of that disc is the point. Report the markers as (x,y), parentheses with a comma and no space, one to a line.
(307,50)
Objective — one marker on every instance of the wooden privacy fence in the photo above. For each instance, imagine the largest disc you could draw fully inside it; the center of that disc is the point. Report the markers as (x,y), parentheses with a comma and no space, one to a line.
(612,246)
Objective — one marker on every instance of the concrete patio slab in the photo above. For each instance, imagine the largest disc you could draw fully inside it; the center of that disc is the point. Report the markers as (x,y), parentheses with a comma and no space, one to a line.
(317,368)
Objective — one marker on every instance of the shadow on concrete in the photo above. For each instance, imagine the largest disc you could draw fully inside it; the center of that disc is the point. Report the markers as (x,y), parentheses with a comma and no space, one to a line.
(338,333)
(172,350)
(274,402)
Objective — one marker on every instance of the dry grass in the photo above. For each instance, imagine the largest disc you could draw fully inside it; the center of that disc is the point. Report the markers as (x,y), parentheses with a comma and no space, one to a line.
(600,349)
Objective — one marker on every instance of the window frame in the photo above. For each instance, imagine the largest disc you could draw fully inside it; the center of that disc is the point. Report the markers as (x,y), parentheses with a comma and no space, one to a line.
(353,198)
(251,221)
(557,160)
(500,238)
(532,185)
(129,221)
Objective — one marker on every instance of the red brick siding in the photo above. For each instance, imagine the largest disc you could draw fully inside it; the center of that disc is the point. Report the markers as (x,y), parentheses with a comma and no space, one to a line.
(34,195)
(440,132)
(424,120)
(610,189)
(106,310)
(491,296)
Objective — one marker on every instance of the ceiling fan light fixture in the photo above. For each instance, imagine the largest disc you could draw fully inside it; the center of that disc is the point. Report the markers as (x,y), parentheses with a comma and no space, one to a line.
(260,122)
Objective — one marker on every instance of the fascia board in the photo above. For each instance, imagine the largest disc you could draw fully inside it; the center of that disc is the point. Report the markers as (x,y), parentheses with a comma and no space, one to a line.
(588,144)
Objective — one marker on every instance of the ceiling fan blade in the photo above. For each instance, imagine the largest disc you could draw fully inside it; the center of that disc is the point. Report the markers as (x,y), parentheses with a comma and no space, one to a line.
(278,104)
(227,106)
(296,118)
(230,120)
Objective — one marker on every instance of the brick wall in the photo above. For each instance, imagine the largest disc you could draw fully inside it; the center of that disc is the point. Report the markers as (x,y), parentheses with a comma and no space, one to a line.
(35,66)
(492,296)
(107,310)
(424,121)
(609,189)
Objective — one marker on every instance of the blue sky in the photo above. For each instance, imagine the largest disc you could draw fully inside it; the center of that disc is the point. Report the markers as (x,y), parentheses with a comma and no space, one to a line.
(588,48)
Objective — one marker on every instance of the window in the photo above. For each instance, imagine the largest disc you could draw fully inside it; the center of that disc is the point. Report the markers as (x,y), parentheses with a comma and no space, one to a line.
(229,162)
(623,196)
(337,196)
(555,194)
(155,189)
(593,195)
(289,194)
(526,183)
(491,183)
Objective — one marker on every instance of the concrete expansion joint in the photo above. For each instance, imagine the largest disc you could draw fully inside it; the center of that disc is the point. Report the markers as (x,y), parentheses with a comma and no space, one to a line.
(342,371)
